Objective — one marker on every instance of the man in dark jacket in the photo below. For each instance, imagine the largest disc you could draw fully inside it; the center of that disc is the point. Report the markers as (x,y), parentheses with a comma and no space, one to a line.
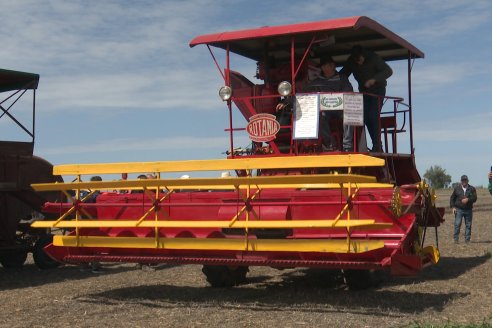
(371,72)
(461,202)
(329,81)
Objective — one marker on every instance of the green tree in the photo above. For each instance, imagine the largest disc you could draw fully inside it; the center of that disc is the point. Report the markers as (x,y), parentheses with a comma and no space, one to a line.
(437,177)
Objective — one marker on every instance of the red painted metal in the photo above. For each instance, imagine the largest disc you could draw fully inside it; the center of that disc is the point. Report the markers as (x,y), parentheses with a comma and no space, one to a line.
(231,262)
(353,25)
(273,205)
(401,240)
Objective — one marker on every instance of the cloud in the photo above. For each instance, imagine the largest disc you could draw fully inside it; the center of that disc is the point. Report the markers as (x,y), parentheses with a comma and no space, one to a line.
(438,76)
(127,145)
(468,128)
(110,54)
(460,17)
(178,89)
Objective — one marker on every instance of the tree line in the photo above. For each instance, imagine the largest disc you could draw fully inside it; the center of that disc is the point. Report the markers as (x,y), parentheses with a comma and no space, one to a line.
(436,176)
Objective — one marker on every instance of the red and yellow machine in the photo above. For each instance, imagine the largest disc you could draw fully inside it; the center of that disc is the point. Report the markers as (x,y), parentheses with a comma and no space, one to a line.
(289,204)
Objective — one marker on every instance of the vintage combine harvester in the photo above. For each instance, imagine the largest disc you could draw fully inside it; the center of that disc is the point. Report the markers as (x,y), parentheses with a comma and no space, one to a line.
(18,169)
(289,203)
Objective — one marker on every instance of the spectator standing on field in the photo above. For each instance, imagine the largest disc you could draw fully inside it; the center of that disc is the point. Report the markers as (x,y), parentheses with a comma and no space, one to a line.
(490,182)
(461,202)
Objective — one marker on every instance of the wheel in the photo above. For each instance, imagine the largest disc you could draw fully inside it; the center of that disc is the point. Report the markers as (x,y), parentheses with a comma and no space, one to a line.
(224,276)
(13,260)
(362,279)
(43,260)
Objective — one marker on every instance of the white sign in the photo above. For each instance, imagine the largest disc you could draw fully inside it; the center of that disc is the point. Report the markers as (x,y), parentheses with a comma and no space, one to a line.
(306,116)
(331,101)
(353,109)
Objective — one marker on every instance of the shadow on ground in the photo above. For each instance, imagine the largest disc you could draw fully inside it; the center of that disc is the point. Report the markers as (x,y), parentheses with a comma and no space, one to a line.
(452,267)
(31,276)
(297,290)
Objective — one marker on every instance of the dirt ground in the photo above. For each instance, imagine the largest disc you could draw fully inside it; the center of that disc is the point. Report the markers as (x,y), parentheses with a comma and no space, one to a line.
(457,290)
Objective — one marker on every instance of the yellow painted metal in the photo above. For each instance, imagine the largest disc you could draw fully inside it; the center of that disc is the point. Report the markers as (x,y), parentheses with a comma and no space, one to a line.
(279,181)
(432,252)
(396,206)
(260,245)
(243,209)
(251,224)
(333,161)
(248,188)
(345,207)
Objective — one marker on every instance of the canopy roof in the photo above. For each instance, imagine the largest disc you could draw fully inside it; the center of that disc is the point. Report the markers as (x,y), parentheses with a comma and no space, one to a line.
(336,37)
(14,80)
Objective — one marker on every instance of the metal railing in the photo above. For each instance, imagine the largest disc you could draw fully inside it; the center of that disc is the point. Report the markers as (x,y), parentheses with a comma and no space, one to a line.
(391,123)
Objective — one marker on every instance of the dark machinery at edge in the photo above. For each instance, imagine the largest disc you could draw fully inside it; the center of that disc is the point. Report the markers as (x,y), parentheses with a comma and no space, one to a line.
(19,168)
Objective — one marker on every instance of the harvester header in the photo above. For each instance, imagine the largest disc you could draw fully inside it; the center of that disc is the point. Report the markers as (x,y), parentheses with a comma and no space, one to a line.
(281,201)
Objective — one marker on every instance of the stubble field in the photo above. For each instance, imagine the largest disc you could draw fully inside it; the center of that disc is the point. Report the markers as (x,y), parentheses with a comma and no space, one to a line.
(456,291)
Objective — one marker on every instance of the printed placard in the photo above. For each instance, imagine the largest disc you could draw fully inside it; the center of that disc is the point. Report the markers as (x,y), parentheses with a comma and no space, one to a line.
(306,116)
(331,101)
(353,109)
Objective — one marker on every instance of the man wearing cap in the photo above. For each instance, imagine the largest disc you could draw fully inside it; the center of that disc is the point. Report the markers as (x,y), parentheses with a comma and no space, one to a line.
(371,72)
(461,202)
(329,81)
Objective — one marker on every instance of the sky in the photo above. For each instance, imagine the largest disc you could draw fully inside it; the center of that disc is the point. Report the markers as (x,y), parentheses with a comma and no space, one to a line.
(119,82)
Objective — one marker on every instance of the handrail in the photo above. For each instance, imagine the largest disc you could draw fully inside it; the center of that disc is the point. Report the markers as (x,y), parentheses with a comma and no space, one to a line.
(249,103)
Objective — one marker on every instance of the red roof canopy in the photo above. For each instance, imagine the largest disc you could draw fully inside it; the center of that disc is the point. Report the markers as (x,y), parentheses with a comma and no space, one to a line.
(336,37)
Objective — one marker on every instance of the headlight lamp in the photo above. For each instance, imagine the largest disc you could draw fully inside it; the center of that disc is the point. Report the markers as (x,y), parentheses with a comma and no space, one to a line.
(225,93)
(284,88)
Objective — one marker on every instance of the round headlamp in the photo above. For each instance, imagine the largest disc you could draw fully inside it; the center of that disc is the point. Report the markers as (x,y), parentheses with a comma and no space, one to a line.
(225,93)
(284,88)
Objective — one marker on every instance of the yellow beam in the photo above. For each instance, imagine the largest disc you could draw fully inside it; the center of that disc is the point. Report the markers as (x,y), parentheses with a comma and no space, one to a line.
(285,162)
(278,181)
(211,224)
(281,186)
(259,245)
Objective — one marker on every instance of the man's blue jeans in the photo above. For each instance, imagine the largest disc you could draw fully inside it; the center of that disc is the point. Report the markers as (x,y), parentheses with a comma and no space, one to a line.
(467,215)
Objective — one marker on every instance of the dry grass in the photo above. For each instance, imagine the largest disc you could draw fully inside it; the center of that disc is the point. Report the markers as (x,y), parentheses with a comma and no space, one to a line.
(455,292)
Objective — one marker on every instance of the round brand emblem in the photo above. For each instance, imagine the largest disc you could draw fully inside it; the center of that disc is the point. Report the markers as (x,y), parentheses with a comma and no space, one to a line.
(262,127)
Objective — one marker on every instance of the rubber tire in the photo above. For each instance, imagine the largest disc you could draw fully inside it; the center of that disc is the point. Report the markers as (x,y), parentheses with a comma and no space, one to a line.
(224,276)
(362,279)
(13,260)
(41,259)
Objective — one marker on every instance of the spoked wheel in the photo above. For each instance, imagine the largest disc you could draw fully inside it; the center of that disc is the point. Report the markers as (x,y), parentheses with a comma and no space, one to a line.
(225,276)
(362,279)
(13,260)
(41,259)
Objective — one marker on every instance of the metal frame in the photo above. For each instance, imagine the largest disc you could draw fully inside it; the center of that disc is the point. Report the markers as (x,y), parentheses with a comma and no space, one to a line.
(246,188)
(338,210)
(246,101)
